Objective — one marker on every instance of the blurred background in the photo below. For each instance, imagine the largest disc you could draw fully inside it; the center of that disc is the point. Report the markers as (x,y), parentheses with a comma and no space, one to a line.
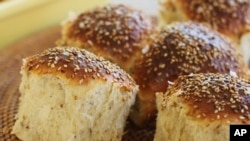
(20,18)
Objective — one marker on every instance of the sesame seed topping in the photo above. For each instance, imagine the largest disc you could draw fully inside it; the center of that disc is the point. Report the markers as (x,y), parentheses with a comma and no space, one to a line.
(182,48)
(115,31)
(229,102)
(76,64)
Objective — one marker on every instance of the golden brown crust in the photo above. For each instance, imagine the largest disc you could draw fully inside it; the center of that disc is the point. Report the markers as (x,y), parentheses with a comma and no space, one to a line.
(230,17)
(77,65)
(184,48)
(213,96)
(180,49)
(116,32)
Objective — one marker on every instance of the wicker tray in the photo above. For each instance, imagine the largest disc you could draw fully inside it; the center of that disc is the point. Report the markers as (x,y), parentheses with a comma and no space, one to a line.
(10,63)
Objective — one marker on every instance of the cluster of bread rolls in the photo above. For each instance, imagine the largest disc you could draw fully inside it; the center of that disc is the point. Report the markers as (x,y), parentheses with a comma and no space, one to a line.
(180,49)
(69,93)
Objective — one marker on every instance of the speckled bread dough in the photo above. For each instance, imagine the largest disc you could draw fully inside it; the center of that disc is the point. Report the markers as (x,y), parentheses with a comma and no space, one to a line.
(71,94)
(178,49)
(201,107)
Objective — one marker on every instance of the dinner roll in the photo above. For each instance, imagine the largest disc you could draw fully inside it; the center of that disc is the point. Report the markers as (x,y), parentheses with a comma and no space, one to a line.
(230,17)
(69,94)
(200,107)
(116,32)
(178,49)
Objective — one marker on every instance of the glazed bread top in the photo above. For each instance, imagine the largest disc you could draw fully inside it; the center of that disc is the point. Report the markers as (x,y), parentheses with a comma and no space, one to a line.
(77,65)
(212,96)
(116,32)
(182,48)
(230,17)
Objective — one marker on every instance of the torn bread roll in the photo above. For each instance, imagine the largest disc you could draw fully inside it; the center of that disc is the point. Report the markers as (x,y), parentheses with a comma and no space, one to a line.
(201,107)
(71,94)
(117,32)
(178,49)
(230,17)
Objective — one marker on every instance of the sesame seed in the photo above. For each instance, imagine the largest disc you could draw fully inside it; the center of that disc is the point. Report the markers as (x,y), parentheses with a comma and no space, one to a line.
(52,65)
(218,116)
(198,116)
(90,42)
(242,117)
(59,68)
(37,66)
(225,116)
(245,107)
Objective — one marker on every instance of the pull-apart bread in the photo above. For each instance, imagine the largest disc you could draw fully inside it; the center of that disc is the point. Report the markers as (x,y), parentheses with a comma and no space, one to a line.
(115,31)
(70,94)
(178,49)
(201,107)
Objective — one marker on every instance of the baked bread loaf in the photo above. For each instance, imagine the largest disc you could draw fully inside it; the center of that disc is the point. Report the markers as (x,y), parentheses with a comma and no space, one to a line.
(117,32)
(71,94)
(178,49)
(200,107)
(230,17)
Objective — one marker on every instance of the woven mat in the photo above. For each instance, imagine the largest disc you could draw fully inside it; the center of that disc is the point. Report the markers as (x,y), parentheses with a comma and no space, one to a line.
(10,63)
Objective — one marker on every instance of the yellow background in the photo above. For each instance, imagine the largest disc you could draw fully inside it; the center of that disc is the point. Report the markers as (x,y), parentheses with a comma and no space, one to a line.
(19,18)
